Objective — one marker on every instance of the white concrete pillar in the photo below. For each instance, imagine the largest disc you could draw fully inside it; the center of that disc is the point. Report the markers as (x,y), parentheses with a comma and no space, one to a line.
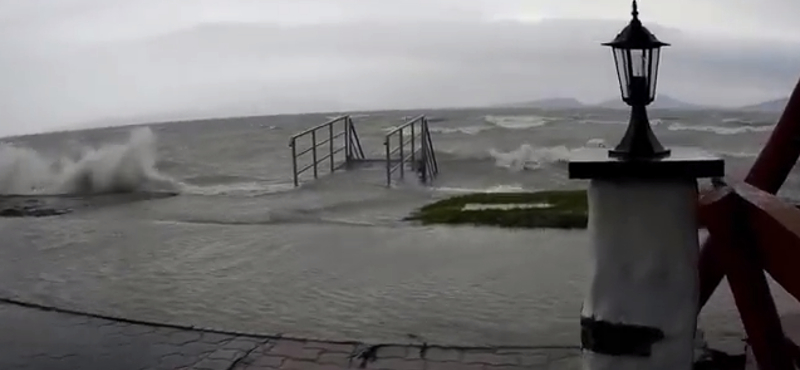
(644,252)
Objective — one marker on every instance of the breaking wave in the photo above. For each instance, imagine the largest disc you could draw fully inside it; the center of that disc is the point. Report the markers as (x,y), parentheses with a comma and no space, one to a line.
(619,122)
(517,122)
(466,130)
(112,168)
(528,157)
(508,188)
(721,130)
(245,189)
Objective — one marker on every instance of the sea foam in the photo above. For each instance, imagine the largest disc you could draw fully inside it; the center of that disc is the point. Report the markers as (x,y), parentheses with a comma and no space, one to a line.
(111,168)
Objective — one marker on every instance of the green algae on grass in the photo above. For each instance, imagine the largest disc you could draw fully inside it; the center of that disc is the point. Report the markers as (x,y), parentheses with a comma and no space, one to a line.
(563,209)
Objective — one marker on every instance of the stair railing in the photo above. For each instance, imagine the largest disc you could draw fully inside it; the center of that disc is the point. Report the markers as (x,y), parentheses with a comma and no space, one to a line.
(339,127)
(420,156)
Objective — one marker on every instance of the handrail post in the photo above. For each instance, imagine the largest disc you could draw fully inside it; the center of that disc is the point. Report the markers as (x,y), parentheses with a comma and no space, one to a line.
(387,144)
(348,150)
(314,151)
(330,144)
(294,163)
(402,155)
(424,154)
(413,150)
(434,164)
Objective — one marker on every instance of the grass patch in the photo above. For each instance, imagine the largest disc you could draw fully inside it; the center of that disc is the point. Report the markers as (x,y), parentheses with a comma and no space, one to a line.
(566,209)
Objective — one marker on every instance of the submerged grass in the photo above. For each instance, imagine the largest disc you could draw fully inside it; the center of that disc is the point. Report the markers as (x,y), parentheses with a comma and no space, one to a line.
(566,209)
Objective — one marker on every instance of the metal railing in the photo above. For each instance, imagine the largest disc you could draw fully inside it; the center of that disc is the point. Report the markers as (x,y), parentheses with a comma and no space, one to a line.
(415,135)
(333,130)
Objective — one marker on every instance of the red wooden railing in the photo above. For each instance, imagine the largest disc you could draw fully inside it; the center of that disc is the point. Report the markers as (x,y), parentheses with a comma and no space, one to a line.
(750,231)
(756,231)
(769,172)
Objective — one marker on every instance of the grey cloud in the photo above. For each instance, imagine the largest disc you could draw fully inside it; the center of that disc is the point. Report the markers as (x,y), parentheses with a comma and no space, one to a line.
(256,68)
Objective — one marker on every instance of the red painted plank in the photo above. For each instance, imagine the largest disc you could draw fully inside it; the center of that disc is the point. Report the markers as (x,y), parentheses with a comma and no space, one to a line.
(706,198)
(768,173)
(777,231)
(748,283)
(709,268)
(781,152)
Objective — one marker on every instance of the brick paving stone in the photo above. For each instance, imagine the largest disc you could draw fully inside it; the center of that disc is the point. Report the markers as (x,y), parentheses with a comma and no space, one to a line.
(562,353)
(442,354)
(395,364)
(295,350)
(331,347)
(533,359)
(415,353)
(40,340)
(138,330)
(263,349)
(215,338)
(73,320)
(571,363)
(335,358)
(175,361)
(243,344)
(164,333)
(199,348)
(226,354)
(267,362)
(453,366)
(394,352)
(308,365)
(184,337)
(489,358)
(210,364)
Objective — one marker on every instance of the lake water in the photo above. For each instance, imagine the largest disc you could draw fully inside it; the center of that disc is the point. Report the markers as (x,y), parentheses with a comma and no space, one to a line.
(240,248)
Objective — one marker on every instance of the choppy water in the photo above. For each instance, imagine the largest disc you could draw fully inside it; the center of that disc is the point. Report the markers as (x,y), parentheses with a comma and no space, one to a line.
(239,248)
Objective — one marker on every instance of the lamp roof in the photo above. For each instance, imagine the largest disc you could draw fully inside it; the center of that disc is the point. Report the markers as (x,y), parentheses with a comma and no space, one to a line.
(635,35)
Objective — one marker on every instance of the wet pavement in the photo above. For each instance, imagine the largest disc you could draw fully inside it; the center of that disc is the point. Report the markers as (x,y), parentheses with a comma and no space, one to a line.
(42,339)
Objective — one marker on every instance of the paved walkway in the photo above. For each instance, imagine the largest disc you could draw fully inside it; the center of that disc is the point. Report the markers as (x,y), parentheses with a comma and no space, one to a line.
(37,339)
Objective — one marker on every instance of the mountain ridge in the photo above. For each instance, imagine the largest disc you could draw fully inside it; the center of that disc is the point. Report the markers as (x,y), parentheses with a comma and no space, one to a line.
(774,105)
(662,101)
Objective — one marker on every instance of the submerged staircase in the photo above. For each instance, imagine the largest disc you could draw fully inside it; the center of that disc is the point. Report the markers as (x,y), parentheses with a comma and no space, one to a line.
(407,147)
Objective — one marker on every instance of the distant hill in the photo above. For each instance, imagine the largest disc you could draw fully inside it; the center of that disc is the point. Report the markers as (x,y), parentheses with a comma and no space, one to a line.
(776,105)
(551,103)
(661,102)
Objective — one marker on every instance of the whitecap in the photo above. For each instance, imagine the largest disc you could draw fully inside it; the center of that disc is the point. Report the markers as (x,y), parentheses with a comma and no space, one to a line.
(528,157)
(467,130)
(720,130)
(517,122)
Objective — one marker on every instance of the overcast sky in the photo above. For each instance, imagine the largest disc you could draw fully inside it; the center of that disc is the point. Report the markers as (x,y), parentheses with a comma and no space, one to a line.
(64,62)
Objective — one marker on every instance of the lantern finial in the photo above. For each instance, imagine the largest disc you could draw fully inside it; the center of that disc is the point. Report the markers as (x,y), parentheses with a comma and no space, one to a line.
(635,11)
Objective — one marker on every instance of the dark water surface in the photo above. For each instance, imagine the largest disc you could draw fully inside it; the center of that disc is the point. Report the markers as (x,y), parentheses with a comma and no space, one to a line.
(239,248)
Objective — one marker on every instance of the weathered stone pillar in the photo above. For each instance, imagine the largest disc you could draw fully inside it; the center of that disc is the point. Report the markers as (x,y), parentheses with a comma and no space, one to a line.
(640,311)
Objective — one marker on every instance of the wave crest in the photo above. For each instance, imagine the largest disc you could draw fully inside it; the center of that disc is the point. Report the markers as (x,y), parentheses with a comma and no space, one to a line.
(528,157)
(111,168)
(517,122)
(720,130)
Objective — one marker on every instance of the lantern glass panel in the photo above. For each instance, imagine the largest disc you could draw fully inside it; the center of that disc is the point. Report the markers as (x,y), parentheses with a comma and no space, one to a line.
(622,62)
(654,59)
(639,67)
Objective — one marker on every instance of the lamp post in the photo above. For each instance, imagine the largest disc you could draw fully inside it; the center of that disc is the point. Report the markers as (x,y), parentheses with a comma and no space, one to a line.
(640,309)
(636,55)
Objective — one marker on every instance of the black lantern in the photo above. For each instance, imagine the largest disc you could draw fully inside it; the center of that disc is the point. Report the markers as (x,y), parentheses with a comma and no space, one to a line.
(636,55)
